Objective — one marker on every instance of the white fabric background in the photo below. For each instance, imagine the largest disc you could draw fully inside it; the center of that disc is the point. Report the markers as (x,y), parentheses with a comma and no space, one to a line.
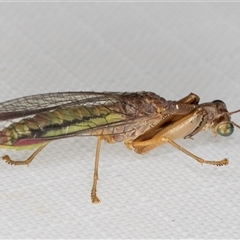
(169,48)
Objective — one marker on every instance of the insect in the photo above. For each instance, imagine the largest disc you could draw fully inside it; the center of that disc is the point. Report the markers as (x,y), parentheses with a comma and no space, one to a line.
(142,120)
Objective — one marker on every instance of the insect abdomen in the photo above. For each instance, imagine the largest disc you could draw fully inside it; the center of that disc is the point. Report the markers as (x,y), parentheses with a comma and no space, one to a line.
(57,123)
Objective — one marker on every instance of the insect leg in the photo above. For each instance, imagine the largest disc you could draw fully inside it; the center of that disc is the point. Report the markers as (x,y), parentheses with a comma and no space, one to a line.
(185,127)
(27,161)
(94,197)
(190,99)
(217,163)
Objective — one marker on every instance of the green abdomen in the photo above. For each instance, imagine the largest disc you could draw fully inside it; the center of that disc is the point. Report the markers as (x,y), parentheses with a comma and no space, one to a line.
(58,124)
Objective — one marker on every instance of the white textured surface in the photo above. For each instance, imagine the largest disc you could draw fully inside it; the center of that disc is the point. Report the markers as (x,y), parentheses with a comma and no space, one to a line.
(169,48)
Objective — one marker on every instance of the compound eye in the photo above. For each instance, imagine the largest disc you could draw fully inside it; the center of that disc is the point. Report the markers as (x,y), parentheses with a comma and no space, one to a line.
(218,101)
(225,129)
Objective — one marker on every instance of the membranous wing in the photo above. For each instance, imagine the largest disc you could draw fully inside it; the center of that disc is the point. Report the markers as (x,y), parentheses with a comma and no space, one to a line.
(58,115)
(30,105)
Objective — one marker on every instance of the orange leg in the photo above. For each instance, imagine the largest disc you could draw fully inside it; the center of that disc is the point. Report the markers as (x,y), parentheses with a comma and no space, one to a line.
(156,142)
(94,197)
(27,161)
(187,126)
